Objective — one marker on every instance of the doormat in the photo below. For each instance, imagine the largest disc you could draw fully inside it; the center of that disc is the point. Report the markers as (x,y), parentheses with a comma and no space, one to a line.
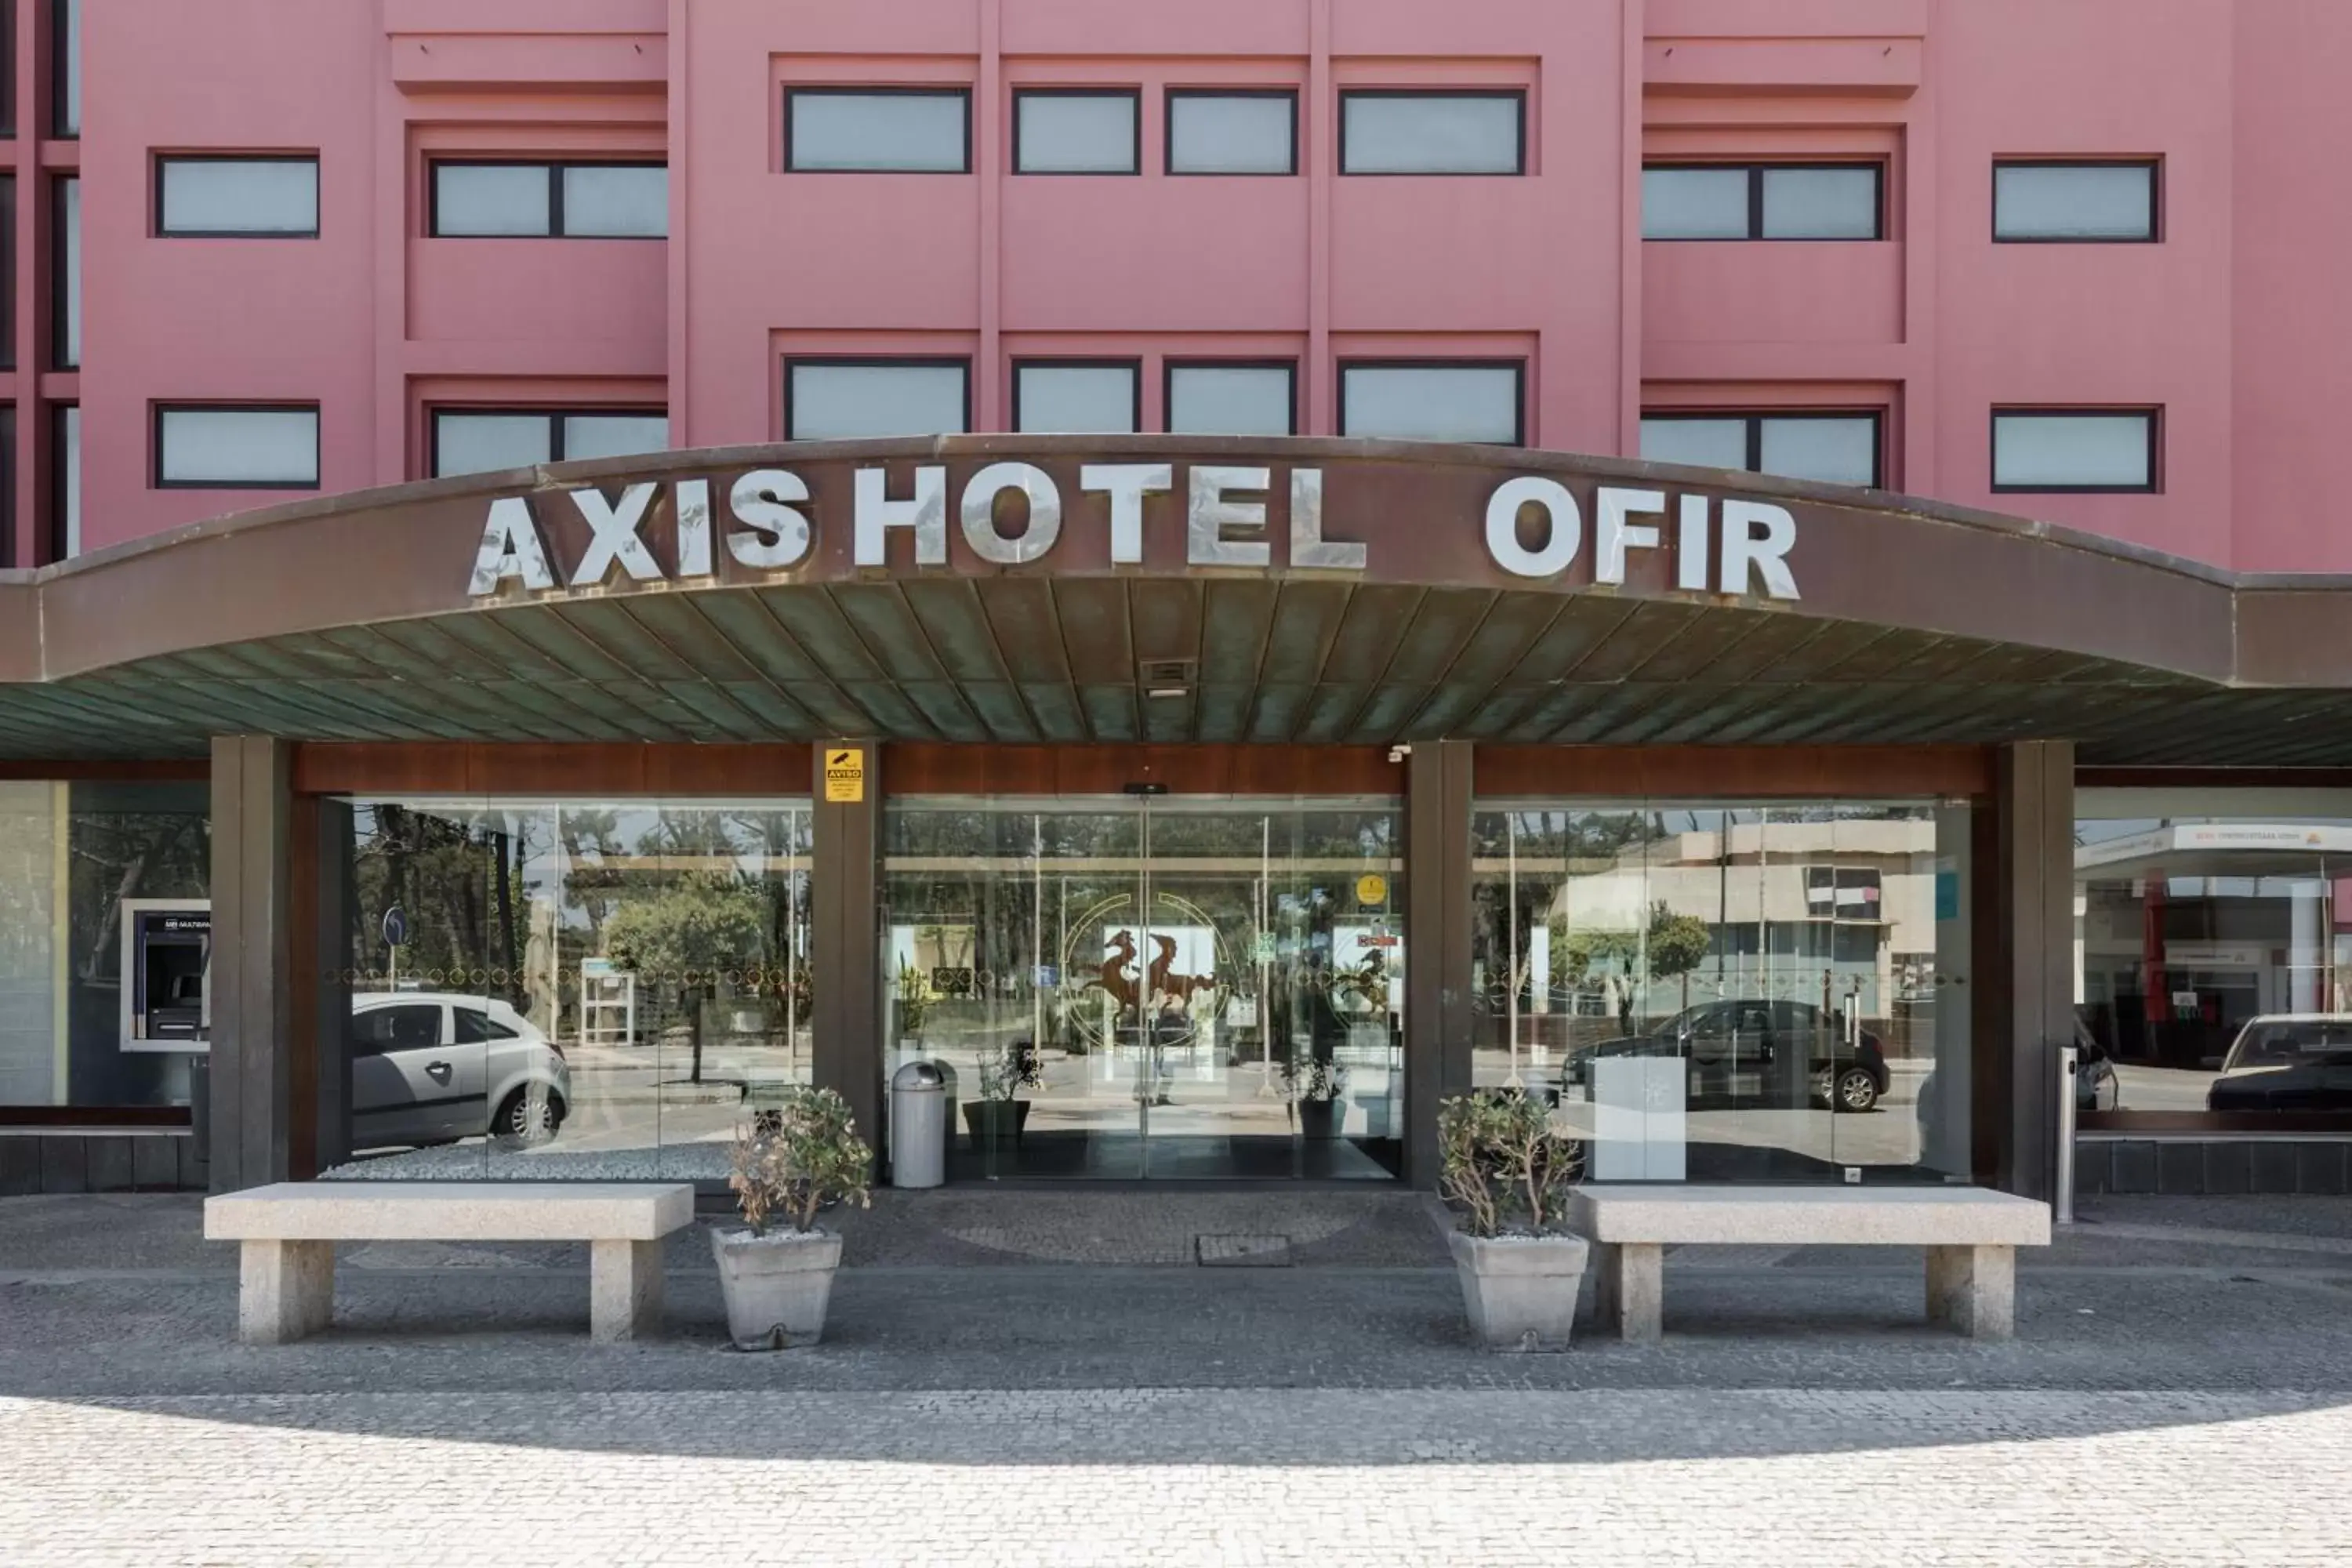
(1243,1251)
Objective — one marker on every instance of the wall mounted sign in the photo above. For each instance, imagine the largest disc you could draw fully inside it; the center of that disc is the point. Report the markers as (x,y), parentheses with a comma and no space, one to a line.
(844,774)
(1010,515)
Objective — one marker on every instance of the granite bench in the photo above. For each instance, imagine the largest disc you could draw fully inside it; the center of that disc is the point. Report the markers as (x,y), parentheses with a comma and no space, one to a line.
(285,1288)
(1971,1237)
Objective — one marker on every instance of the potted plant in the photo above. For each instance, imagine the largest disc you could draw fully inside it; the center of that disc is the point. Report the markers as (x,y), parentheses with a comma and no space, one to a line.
(793,1160)
(1314,1086)
(1507,1174)
(997,1115)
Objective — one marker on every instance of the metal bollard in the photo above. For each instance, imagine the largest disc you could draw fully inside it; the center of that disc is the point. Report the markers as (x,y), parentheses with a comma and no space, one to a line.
(2069,1065)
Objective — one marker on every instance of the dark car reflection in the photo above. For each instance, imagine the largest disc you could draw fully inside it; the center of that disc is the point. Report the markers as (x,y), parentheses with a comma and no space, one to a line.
(1781,1053)
(2287,1062)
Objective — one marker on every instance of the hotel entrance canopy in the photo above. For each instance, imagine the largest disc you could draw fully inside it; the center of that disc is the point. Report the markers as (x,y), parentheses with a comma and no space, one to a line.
(1162,589)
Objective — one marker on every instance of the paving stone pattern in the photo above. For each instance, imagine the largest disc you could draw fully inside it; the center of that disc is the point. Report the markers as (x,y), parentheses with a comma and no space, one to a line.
(991,1391)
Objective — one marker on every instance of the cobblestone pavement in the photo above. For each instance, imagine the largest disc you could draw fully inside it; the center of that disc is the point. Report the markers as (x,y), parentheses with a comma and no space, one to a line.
(1107,1478)
(2181,1391)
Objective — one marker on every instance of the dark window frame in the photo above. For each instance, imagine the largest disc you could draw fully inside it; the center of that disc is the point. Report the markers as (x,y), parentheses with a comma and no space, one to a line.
(2152,166)
(554,416)
(1754,419)
(62,274)
(892,362)
(1133,366)
(2151,412)
(1517,367)
(1168,132)
(843,90)
(1340,138)
(1135,155)
(157,410)
(56,443)
(162,161)
(7,485)
(1169,366)
(61,73)
(7,70)
(555,168)
(8,187)
(1756,171)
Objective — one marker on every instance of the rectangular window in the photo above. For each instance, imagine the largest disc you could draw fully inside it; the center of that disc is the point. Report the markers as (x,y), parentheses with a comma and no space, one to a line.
(65,336)
(877,130)
(65,446)
(1393,131)
(199,447)
(65,47)
(7,67)
(843,399)
(273,197)
(2074,449)
(1763,201)
(7,271)
(1232,132)
(1828,448)
(492,440)
(1433,401)
(563,201)
(1077,130)
(1206,398)
(1076,397)
(2086,203)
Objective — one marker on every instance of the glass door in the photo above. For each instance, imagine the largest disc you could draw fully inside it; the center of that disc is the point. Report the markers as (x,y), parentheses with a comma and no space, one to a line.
(1145,988)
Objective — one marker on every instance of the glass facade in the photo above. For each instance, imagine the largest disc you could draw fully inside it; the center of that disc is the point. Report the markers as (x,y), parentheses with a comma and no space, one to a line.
(2213,951)
(1714,990)
(1152,987)
(569,988)
(86,869)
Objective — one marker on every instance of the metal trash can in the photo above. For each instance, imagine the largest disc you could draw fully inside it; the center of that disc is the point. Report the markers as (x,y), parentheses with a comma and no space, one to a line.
(918,1126)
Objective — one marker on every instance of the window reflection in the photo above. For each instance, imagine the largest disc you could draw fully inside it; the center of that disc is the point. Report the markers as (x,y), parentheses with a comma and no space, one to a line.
(573,988)
(2214,951)
(1725,991)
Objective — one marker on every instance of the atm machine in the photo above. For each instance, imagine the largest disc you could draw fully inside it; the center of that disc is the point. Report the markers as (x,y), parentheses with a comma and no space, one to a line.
(167,957)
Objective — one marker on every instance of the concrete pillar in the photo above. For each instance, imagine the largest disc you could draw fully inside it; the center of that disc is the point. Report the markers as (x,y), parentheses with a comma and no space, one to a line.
(846,1008)
(2025,964)
(1439,782)
(253,1111)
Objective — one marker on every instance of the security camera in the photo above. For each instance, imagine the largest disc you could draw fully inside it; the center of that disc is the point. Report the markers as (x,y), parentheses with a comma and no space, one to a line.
(1399,753)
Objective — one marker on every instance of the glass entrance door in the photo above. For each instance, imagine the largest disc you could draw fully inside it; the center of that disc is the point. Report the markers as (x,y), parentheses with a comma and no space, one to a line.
(1151,988)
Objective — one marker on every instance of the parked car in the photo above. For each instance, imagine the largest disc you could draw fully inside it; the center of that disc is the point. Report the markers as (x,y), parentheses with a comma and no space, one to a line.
(2287,1061)
(1776,1040)
(434,1066)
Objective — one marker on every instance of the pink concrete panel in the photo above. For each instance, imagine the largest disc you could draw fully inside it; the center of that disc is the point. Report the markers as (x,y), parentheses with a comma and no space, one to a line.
(2292,219)
(1781,291)
(2088,324)
(221,319)
(608,293)
(1107,254)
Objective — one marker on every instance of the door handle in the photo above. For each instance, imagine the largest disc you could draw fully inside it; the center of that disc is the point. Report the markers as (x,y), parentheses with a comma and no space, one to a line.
(438,1070)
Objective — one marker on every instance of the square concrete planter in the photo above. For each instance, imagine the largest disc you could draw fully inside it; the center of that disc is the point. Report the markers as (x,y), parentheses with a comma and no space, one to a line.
(1520,1290)
(776,1285)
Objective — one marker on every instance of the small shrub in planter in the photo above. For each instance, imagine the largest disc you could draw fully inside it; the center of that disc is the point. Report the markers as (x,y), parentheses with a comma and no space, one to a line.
(1505,1174)
(792,1161)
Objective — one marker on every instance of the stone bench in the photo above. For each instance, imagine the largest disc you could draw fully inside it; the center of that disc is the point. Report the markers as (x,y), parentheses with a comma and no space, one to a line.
(1971,1237)
(285,1288)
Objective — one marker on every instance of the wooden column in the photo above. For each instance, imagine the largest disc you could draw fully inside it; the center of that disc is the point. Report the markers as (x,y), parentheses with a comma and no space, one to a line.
(846,1007)
(2025,964)
(1439,779)
(253,1111)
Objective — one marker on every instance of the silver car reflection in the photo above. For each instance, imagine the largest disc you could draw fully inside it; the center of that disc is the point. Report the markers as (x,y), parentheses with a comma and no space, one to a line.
(432,1067)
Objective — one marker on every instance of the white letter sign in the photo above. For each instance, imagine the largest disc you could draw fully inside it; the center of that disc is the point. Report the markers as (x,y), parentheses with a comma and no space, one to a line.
(926,514)
(1564,522)
(510,547)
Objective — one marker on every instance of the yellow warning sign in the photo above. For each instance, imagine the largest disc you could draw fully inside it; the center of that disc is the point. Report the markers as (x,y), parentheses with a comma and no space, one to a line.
(844,774)
(1371,890)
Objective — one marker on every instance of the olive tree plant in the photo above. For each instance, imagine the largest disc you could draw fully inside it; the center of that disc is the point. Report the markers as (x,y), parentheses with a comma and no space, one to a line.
(1501,1163)
(799,1156)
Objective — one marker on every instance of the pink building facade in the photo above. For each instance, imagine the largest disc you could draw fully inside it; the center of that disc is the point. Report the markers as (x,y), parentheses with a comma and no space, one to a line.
(2221,326)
